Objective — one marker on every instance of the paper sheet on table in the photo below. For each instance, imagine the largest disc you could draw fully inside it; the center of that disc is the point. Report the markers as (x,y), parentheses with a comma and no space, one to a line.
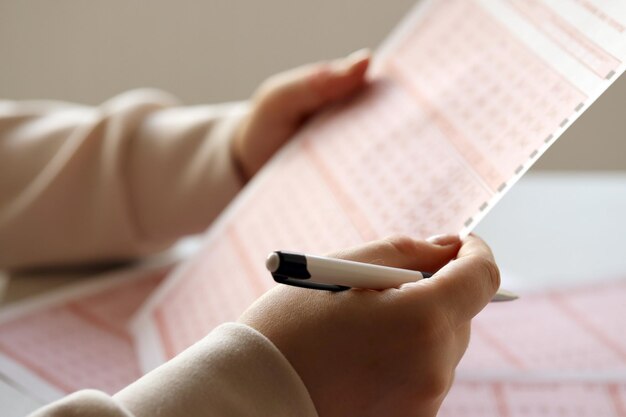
(466,95)
(76,337)
(539,399)
(561,353)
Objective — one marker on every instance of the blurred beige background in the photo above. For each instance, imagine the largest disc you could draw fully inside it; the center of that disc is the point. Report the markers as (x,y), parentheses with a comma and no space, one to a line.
(217,50)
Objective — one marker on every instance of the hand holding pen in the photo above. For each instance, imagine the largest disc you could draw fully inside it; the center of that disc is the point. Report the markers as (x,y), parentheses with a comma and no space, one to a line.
(391,352)
(333,274)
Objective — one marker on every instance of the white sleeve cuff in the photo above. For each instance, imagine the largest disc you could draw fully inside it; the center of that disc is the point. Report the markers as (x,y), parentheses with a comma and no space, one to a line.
(234,371)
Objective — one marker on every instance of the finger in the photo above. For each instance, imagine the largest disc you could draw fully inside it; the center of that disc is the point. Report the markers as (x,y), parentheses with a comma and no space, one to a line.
(405,252)
(474,245)
(295,94)
(340,79)
(284,101)
(462,338)
(464,286)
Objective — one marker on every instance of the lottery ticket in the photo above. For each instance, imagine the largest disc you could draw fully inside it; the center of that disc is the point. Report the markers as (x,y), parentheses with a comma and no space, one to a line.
(535,399)
(464,97)
(560,353)
(575,333)
(76,337)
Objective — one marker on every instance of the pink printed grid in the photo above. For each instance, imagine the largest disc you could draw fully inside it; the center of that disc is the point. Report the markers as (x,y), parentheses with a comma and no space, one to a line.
(580,330)
(229,274)
(568,37)
(81,343)
(215,290)
(396,172)
(495,99)
(316,223)
(601,312)
(563,399)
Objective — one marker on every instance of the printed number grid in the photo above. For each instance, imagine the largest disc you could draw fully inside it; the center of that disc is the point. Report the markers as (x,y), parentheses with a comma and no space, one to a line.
(392,170)
(215,290)
(284,207)
(578,330)
(563,399)
(557,334)
(229,273)
(579,46)
(497,101)
(81,343)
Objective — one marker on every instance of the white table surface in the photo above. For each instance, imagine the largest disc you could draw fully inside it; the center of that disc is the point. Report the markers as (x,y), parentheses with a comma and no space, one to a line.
(14,402)
(551,230)
(559,229)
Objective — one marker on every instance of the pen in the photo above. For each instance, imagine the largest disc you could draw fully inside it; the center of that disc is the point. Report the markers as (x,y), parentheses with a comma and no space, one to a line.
(331,274)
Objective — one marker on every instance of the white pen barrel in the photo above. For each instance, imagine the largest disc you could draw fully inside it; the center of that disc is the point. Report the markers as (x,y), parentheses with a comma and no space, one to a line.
(357,274)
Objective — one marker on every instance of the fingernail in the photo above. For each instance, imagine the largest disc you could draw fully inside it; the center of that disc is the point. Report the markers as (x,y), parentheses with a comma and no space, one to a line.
(443,240)
(358,55)
(345,64)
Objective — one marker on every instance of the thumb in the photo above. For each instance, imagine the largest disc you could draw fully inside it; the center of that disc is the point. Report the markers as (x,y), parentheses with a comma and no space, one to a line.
(405,252)
(464,286)
(284,101)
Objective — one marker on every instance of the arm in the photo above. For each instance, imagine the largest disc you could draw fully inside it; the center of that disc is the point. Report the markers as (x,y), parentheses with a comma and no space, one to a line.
(83,184)
(124,179)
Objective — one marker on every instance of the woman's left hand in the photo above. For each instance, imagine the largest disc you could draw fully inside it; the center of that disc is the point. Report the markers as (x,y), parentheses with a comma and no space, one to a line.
(284,101)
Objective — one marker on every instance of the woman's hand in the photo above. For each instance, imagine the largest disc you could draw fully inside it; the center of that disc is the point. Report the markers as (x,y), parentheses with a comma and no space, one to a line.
(383,353)
(283,102)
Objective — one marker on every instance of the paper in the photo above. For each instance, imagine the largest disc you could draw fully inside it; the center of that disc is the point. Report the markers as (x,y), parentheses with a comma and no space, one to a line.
(560,399)
(466,95)
(561,353)
(576,333)
(76,337)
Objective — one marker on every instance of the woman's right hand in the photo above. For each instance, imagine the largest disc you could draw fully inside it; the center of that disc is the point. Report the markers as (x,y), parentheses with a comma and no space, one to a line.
(383,353)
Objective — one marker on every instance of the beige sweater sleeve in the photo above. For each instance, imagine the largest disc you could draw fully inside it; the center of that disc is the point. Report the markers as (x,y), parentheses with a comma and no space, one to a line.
(233,372)
(83,184)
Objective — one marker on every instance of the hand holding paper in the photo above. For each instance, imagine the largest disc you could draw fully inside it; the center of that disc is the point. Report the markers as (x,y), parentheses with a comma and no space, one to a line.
(285,101)
(389,353)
